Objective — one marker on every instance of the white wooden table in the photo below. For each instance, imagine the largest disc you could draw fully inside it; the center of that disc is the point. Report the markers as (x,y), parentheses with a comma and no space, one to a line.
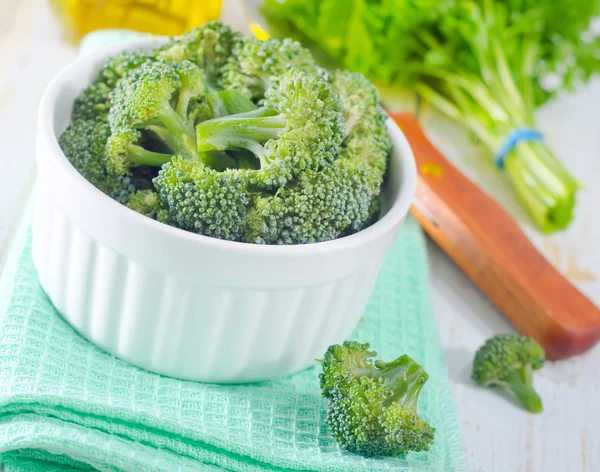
(497,434)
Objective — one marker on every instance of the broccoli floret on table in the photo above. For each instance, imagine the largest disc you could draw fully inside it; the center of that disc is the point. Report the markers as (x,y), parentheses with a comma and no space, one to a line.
(508,360)
(372,404)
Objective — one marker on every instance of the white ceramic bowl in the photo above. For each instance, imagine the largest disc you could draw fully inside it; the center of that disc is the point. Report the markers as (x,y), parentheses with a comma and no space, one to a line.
(186,305)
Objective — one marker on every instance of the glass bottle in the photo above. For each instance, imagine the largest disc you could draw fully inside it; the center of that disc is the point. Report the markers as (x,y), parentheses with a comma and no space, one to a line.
(161,17)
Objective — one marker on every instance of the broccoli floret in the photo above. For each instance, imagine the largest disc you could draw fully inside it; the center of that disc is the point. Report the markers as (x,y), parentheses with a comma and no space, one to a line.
(366,131)
(209,47)
(92,103)
(151,105)
(199,111)
(372,407)
(145,202)
(83,142)
(299,127)
(203,200)
(374,211)
(342,197)
(253,63)
(360,98)
(508,360)
(123,63)
(148,203)
(320,206)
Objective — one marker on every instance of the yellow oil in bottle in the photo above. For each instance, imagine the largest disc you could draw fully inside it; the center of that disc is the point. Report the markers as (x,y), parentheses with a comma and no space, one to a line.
(162,17)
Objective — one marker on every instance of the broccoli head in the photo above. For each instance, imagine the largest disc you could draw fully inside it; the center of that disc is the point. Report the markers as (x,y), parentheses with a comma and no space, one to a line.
(508,360)
(360,97)
(151,105)
(92,103)
(299,127)
(341,198)
(83,143)
(209,47)
(318,206)
(253,62)
(372,407)
(123,63)
(203,200)
(146,202)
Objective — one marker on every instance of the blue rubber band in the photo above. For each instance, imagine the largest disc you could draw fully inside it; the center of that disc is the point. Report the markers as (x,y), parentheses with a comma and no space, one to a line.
(512,139)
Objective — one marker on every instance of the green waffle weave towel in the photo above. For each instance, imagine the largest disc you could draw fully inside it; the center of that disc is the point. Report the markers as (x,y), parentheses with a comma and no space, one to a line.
(67,405)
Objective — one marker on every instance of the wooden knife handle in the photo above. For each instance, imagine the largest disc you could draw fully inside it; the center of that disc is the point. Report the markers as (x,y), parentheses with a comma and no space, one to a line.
(493,251)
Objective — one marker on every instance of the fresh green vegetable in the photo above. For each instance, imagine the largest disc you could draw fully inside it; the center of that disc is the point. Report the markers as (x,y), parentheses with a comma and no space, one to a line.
(93,103)
(298,128)
(209,47)
(254,62)
(481,62)
(155,98)
(229,102)
(83,142)
(234,139)
(145,202)
(372,406)
(340,198)
(508,360)
(203,200)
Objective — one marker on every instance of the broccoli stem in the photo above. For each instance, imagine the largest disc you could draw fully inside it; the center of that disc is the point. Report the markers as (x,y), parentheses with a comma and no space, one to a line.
(258,84)
(520,383)
(229,102)
(179,135)
(406,379)
(217,105)
(175,123)
(143,157)
(183,101)
(211,64)
(248,131)
(218,160)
